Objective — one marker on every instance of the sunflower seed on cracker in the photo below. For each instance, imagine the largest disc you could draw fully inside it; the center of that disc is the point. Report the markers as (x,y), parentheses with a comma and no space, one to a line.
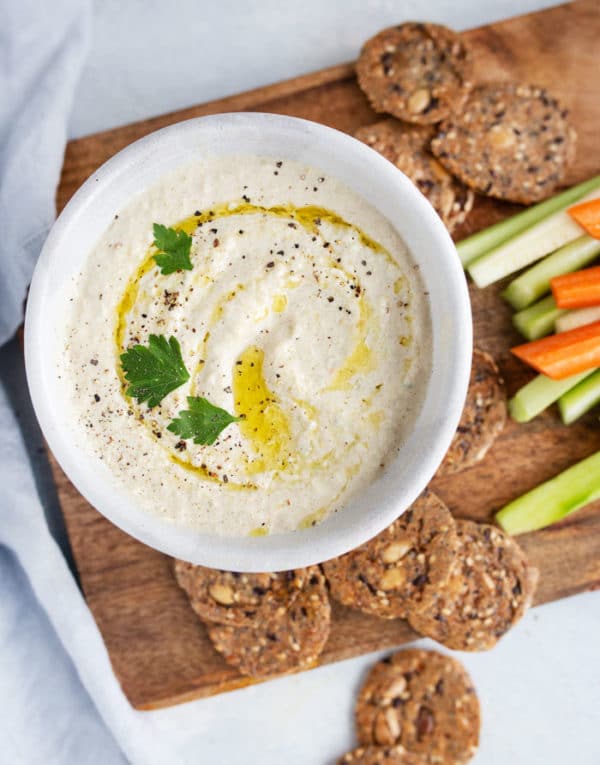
(424,701)
(406,146)
(227,597)
(509,141)
(418,72)
(490,588)
(483,417)
(401,568)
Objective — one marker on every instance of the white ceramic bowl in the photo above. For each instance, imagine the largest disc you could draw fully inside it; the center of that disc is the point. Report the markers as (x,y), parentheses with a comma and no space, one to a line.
(89,213)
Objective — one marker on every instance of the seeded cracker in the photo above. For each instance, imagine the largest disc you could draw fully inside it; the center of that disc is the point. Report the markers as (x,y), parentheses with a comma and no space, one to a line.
(489,590)
(401,568)
(418,72)
(424,701)
(381,755)
(226,597)
(289,638)
(406,146)
(483,417)
(509,141)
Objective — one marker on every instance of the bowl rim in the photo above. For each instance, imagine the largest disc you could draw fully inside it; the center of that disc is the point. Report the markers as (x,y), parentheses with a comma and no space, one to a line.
(277,551)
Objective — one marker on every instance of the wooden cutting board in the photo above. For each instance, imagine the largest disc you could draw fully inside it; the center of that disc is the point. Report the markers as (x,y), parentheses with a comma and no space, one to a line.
(158,648)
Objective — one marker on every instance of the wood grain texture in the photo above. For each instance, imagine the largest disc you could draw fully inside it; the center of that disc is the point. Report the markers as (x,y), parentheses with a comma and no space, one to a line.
(159,650)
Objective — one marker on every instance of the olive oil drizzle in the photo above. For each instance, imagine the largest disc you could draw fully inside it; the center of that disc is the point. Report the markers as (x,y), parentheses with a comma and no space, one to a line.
(265,427)
(361,358)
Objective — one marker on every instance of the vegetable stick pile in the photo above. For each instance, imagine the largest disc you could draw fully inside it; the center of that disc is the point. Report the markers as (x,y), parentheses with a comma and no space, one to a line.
(556,298)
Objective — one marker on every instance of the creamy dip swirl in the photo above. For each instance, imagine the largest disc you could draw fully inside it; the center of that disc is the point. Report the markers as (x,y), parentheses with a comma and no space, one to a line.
(303,314)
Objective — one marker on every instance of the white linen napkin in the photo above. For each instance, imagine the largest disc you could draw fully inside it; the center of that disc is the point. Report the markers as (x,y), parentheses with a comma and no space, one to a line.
(42,47)
(46,715)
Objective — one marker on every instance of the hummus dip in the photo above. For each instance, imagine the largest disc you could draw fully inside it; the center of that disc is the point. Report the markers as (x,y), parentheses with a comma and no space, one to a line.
(303,314)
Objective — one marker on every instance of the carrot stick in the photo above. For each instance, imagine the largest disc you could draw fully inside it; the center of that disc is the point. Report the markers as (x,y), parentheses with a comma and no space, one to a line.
(587,214)
(577,290)
(563,355)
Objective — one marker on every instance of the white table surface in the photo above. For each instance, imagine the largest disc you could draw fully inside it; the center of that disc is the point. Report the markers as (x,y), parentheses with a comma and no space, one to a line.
(540,688)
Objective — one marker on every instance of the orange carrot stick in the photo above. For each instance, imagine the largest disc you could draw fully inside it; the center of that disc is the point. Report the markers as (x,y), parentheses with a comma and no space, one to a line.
(587,214)
(568,353)
(577,290)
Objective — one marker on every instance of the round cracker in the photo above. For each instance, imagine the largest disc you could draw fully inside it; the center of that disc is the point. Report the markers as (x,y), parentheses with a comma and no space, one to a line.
(420,73)
(490,588)
(381,755)
(406,146)
(290,637)
(483,417)
(424,701)
(509,141)
(227,597)
(401,568)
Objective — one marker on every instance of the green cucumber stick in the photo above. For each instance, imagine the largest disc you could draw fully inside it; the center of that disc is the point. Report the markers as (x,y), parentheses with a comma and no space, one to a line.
(535,282)
(584,396)
(570,490)
(478,244)
(538,394)
(539,319)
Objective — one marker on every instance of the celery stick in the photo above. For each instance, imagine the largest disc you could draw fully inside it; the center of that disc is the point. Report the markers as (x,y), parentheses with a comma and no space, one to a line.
(570,490)
(577,318)
(478,244)
(546,236)
(580,399)
(538,394)
(535,282)
(539,319)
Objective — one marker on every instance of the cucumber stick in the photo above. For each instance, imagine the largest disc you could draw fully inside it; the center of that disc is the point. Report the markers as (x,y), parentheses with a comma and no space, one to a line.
(535,282)
(538,394)
(575,487)
(577,318)
(478,244)
(580,399)
(552,232)
(539,319)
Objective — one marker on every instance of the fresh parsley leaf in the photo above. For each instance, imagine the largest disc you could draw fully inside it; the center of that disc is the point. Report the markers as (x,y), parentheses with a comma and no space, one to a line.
(154,370)
(173,249)
(202,421)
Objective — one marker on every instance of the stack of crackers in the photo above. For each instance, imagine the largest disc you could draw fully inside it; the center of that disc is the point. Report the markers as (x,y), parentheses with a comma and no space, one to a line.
(263,624)
(452,137)
(461,583)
